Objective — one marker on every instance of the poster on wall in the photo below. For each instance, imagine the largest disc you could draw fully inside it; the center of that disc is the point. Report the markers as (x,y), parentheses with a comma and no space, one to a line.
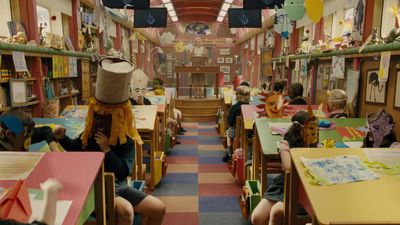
(225,69)
(375,91)
(397,91)
(227,78)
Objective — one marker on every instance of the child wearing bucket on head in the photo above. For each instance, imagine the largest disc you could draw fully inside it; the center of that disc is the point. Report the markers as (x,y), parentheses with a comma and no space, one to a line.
(109,128)
(302,133)
(337,102)
(243,98)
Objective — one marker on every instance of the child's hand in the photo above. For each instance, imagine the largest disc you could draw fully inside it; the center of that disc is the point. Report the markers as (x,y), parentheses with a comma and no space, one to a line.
(59,132)
(102,141)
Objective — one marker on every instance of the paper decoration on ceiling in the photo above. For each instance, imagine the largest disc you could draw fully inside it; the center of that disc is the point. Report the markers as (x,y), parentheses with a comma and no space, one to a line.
(180,46)
(167,38)
(282,23)
(295,9)
(198,29)
(314,9)
(270,38)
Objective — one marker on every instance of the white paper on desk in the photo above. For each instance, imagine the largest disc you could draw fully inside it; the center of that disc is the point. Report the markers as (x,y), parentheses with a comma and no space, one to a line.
(37,209)
(386,156)
(284,126)
(18,165)
(19,61)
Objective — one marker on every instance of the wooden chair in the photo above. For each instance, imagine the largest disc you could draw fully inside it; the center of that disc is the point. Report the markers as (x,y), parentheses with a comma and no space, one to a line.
(111,217)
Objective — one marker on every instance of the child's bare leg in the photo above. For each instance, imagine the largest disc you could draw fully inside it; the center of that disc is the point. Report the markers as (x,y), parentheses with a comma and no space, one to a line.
(262,212)
(124,211)
(276,215)
(153,209)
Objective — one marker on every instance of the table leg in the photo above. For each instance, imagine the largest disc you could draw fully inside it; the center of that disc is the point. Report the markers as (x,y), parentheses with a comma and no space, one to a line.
(263,178)
(256,156)
(139,161)
(100,202)
(152,159)
(294,194)
(245,148)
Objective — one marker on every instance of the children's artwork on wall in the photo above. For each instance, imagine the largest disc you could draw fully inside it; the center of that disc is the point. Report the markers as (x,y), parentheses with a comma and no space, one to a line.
(19,61)
(229,60)
(225,69)
(359,19)
(352,86)
(375,91)
(384,66)
(220,59)
(325,78)
(337,67)
(320,75)
(397,91)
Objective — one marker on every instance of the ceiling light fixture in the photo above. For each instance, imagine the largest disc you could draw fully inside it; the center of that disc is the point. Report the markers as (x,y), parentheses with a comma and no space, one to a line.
(224,8)
(171,11)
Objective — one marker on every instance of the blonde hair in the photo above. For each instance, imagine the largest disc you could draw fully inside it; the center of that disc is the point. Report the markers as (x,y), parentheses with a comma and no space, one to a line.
(243,94)
(338,97)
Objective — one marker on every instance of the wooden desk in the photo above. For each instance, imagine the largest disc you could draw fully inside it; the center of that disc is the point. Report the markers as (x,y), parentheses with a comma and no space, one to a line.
(64,167)
(366,202)
(247,126)
(265,147)
(161,103)
(146,123)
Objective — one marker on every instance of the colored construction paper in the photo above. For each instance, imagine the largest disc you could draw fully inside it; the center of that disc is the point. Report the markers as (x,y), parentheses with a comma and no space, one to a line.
(15,204)
(295,9)
(314,9)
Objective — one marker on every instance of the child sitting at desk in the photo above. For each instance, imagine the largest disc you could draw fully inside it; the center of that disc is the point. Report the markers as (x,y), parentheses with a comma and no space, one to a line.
(381,132)
(109,128)
(138,88)
(242,97)
(271,208)
(18,132)
(337,101)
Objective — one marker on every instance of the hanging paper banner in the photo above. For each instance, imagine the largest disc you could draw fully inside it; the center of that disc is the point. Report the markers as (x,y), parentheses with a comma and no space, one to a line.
(297,65)
(314,9)
(282,23)
(295,9)
(287,61)
(384,66)
(304,68)
(273,66)
(337,67)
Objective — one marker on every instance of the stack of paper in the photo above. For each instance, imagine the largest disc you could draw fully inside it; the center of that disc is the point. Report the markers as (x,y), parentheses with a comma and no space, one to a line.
(337,170)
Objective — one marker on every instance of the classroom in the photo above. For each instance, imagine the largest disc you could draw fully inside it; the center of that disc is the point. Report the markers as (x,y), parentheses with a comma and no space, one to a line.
(199,112)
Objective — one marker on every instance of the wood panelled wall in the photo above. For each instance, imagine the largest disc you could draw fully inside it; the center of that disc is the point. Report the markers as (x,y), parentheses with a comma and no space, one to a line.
(365,108)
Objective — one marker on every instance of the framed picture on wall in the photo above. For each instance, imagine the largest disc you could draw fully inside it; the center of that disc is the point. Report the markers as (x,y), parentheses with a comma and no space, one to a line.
(375,91)
(220,59)
(227,78)
(229,60)
(225,69)
(225,51)
(396,103)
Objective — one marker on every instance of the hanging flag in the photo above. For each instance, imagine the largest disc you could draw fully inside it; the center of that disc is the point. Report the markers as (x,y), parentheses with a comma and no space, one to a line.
(304,68)
(384,66)
(295,9)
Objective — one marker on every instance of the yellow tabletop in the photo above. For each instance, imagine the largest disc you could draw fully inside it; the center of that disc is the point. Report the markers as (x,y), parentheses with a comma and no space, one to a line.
(366,202)
(145,116)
